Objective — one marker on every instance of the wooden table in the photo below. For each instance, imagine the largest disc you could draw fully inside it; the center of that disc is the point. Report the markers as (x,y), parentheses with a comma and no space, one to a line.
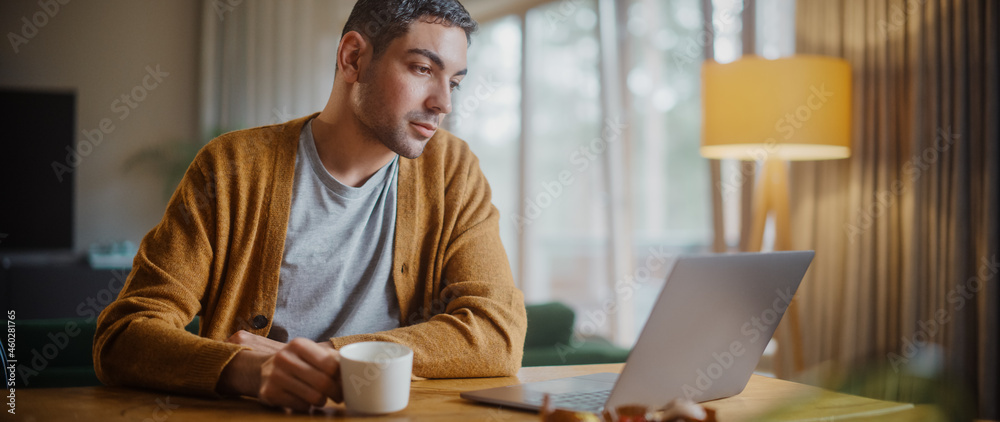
(437,400)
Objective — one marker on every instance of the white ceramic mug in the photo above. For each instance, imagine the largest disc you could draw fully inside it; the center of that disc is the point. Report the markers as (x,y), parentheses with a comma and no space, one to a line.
(375,376)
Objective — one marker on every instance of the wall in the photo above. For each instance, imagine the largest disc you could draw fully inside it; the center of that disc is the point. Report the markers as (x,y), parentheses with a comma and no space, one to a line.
(104,50)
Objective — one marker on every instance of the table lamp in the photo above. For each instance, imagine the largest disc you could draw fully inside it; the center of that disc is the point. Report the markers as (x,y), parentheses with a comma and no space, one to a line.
(773,111)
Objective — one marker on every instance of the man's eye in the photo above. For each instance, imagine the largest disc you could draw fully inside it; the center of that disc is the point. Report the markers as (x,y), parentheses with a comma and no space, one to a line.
(423,70)
(456,86)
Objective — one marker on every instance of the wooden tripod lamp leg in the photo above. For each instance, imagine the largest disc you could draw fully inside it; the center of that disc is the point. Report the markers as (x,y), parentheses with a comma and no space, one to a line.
(761,201)
(771,195)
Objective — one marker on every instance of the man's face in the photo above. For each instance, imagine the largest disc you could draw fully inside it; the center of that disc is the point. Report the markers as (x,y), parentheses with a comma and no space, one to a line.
(403,96)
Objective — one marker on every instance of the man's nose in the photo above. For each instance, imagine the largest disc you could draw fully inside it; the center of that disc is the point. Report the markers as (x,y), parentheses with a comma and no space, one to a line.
(440,98)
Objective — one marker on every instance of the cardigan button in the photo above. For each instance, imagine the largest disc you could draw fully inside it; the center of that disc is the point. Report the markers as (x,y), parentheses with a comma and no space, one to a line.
(259,322)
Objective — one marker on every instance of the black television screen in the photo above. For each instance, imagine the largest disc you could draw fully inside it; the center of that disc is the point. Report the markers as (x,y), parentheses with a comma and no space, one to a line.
(36,190)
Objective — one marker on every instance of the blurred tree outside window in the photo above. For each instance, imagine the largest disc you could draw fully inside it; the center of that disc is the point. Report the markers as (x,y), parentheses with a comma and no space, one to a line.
(560,217)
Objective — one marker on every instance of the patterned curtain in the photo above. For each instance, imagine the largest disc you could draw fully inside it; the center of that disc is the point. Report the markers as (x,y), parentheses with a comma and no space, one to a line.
(905,278)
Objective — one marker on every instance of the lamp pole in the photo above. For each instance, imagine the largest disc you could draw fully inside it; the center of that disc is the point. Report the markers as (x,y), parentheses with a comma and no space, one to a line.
(771,197)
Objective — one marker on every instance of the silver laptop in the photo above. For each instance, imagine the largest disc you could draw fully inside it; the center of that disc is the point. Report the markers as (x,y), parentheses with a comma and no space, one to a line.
(702,341)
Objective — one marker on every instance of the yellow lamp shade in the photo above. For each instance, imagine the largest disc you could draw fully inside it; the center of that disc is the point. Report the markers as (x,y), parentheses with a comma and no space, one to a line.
(794,108)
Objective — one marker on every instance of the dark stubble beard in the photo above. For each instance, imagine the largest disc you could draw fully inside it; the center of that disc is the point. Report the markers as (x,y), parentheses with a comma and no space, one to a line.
(376,122)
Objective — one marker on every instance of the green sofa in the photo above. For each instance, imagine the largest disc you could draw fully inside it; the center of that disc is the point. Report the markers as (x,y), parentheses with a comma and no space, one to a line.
(58,352)
(551,340)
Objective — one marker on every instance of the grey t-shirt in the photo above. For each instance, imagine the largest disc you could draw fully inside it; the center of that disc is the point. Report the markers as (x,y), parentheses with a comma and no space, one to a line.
(336,273)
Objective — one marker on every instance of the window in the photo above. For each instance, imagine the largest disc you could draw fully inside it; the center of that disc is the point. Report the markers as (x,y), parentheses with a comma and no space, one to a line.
(670,181)
(554,203)
(486,112)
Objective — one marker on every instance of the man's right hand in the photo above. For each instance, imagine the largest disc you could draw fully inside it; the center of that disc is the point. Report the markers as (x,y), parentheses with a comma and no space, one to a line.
(300,374)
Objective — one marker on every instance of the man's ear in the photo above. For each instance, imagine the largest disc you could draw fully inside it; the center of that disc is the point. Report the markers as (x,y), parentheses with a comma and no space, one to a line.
(350,55)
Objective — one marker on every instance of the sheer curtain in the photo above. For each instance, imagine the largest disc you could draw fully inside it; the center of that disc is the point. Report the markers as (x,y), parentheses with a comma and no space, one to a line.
(905,231)
(544,142)
(267,61)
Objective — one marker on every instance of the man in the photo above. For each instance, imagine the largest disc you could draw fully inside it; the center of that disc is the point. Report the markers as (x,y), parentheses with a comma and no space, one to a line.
(362,222)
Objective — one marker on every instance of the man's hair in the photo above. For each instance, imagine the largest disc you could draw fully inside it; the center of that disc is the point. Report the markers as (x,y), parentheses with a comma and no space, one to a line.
(382,21)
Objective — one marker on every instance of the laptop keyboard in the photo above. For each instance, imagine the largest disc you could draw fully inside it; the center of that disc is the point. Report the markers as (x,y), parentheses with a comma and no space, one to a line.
(586,402)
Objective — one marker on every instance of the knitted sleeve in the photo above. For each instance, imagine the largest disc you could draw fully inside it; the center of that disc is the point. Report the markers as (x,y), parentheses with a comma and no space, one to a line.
(140,339)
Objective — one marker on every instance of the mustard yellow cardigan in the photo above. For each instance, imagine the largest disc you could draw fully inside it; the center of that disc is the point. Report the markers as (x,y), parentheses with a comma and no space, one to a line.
(218,250)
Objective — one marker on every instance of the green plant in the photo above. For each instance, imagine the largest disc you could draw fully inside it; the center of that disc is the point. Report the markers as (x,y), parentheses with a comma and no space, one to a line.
(169,160)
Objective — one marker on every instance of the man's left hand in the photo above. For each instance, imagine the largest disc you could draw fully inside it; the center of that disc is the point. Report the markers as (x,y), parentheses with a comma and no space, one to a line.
(262,344)
(255,342)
